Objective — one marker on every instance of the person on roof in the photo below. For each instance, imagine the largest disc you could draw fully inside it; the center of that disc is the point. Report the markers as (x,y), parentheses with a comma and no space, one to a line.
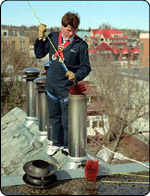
(73,51)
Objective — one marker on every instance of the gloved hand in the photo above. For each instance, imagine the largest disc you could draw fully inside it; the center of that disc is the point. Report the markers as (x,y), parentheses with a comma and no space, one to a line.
(41,31)
(71,76)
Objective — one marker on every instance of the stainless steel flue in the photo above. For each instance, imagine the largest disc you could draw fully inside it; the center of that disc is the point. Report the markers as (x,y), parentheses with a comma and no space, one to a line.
(77,133)
(30,75)
(44,126)
(42,133)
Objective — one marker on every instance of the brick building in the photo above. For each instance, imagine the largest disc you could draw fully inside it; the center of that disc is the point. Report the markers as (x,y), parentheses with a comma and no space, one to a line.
(144,49)
(15,40)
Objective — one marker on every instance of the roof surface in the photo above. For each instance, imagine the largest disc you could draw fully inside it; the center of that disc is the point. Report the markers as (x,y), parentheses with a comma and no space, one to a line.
(16,143)
(107,33)
(17,149)
(104,46)
(14,146)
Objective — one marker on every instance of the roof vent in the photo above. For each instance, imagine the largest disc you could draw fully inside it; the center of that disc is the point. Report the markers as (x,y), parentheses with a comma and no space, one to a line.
(39,174)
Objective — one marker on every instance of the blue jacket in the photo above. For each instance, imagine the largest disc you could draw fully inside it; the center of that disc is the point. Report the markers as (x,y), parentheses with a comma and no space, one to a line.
(76,59)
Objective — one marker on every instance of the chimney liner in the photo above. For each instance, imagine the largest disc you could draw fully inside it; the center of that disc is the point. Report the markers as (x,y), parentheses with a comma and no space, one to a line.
(30,75)
(77,133)
(44,126)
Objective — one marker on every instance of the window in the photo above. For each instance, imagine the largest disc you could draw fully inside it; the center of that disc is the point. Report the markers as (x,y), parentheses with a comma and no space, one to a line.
(6,41)
(88,123)
(147,60)
(142,47)
(22,41)
(135,57)
(116,57)
(88,100)
(94,124)
(101,123)
(117,35)
(22,49)
(5,34)
(125,56)
(13,44)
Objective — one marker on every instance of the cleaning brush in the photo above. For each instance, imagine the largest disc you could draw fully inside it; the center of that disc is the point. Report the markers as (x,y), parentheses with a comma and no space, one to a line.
(77,89)
(91,170)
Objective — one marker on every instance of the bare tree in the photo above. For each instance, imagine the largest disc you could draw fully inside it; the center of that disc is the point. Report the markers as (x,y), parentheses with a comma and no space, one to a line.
(125,99)
(11,88)
(106,26)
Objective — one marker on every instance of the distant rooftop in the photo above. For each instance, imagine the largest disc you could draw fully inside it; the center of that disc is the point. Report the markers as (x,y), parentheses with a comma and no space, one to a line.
(108,33)
(83,34)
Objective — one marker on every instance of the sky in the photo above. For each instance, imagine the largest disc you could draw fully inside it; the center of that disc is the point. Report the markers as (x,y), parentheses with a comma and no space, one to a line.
(119,14)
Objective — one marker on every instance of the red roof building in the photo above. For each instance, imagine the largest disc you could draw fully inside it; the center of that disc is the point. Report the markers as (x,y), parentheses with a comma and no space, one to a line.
(110,36)
(108,33)
(126,54)
(92,51)
(115,50)
(125,51)
(113,43)
(104,47)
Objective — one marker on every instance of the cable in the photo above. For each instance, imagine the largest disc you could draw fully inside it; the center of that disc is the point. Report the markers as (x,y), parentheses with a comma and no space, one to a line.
(115,153)
(62,61)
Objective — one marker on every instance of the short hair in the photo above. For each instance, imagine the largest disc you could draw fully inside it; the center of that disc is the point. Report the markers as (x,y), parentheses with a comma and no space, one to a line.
(71,19)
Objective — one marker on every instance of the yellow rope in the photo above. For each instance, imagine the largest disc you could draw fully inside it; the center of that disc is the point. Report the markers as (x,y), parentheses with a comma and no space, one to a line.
(136,175)
(62,61)
(127,174)
(34,11)
(125,182)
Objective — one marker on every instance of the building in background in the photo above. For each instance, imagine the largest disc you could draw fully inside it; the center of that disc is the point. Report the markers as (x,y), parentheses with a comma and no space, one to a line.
(111,37)
(83,34)
(14,39)
(144,49)
(115,44)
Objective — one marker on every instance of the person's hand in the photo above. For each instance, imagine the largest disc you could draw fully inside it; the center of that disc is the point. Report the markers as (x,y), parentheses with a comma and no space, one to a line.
(41,31)
(71,76)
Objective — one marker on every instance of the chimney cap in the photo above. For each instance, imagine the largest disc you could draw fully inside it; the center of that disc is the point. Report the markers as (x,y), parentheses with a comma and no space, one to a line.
(40,80)
(32,70)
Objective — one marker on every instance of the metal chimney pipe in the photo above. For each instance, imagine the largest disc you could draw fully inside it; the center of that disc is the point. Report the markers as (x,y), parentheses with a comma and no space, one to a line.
(30,75)
(49,134)
(44,127)
(77,132)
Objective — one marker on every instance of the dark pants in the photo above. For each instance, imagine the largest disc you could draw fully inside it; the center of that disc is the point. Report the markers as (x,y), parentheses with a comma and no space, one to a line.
(58,116)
